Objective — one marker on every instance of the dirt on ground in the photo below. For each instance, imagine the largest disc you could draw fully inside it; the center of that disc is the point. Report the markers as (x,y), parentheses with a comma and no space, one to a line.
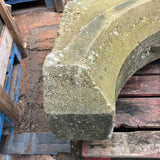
(38,30)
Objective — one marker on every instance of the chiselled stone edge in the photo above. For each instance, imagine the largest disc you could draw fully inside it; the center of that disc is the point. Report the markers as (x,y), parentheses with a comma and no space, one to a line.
(73,127)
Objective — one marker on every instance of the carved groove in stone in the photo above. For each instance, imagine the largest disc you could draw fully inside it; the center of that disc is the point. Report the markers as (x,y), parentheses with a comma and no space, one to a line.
(92,61)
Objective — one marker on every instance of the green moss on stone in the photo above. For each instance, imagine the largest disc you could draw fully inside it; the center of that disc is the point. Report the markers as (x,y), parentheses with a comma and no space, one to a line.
(89,64)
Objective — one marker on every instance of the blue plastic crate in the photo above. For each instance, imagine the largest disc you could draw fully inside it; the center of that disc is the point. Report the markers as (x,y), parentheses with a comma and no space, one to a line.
(49,3)
(3,119)
(18,1)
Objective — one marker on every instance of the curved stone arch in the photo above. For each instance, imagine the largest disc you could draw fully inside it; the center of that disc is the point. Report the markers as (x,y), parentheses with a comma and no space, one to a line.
(135,61)
(82,81)
(78,14)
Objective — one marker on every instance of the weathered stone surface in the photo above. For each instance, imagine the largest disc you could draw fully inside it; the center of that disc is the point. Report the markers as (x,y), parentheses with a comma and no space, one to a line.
(101,44)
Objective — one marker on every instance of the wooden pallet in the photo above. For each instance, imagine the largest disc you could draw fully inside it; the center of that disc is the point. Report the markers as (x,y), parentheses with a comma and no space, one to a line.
(137,125)
(13,28)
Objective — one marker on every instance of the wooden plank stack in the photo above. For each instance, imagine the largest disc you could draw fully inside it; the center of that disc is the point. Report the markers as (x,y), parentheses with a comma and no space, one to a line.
(137,126)
(10,33)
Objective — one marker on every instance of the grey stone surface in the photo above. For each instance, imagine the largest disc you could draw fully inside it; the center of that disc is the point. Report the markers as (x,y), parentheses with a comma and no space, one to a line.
(92,59)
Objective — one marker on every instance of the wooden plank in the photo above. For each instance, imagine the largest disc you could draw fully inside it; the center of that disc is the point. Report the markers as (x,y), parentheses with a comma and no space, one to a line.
(9,7)
(125,144)
(96,158)
(14,81)
(150,69)
(33,157)
(59,5)
(138,112)
(12,26)
(142,86)
(33,144)
(6,42)
(9,108)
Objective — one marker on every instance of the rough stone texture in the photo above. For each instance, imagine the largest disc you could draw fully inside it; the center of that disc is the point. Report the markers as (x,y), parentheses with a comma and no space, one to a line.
(101,44)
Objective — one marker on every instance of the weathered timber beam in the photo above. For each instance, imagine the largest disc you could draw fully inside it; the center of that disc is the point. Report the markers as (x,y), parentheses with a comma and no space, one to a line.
(9,7)
(122,145)
(135,87)
(33,144)
(13,28)
(94,56)
(9,108)
(32,157)
(138,113)
(5,51)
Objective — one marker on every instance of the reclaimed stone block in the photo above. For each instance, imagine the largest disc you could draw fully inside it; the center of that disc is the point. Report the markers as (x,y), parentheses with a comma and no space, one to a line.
(101,44)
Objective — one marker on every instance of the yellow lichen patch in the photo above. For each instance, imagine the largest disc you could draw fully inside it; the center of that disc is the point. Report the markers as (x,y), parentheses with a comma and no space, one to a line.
(118,40)
(78,14)
(91,63)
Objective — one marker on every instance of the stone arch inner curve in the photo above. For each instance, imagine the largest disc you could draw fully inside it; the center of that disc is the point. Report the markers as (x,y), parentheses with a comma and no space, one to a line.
(143,54)
(86,70)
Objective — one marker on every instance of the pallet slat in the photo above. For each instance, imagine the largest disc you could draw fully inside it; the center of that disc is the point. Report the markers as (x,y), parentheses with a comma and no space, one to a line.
(125,144)
(138,112)
(12,26)
(142,86)
(150,69)
(6,41)
(9,108)
(33,144)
